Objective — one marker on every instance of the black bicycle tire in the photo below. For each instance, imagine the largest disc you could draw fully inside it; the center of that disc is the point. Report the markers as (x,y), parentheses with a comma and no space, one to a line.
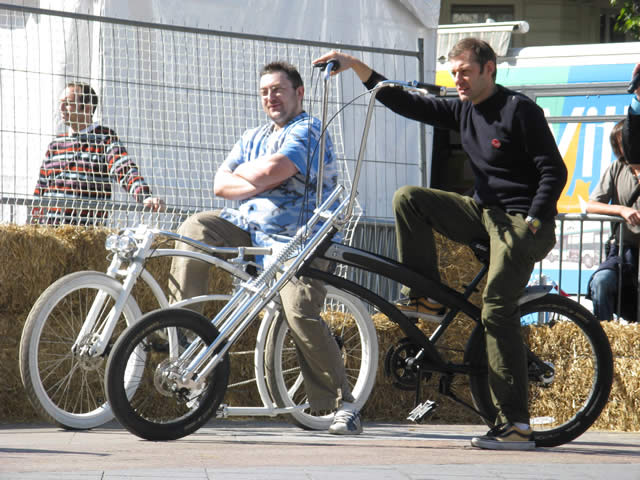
(475,356)
(117,363)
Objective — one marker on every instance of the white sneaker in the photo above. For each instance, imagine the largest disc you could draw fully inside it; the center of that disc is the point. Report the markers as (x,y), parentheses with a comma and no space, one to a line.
(346,422)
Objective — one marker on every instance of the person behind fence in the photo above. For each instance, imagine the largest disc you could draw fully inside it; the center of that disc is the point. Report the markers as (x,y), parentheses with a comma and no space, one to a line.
(617,194)
(519,176)
(272,172)
(81,164)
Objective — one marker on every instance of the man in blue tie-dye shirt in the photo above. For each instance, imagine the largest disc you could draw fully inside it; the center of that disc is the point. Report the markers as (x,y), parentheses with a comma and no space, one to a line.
(272,173)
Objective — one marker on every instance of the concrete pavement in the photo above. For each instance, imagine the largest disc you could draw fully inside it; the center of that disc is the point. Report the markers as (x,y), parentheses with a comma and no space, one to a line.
(234,449)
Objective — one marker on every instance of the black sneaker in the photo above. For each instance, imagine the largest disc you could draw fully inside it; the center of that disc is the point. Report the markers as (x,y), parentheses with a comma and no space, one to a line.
(506,437)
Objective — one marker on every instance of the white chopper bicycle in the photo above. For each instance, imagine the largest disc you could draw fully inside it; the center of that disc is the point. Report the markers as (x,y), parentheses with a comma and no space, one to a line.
(74,324)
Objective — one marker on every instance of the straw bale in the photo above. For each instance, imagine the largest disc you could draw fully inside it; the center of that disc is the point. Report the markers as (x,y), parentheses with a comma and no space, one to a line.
(30,260)
(13,403)
(622,413)
(33,257)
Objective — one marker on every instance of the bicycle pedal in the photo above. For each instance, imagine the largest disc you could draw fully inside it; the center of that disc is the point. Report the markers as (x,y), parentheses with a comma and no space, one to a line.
(222,411)
(419,412)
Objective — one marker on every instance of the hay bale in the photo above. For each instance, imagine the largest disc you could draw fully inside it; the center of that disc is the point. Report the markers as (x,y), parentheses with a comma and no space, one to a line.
(622,413)
(30,260)
(14,406)
(33,257)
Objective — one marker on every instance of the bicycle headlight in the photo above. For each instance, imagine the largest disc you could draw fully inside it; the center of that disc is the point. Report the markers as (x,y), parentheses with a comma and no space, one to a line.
(111,242)
(124,245)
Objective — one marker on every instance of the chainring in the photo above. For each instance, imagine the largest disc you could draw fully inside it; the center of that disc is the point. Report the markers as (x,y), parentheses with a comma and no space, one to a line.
(395,364)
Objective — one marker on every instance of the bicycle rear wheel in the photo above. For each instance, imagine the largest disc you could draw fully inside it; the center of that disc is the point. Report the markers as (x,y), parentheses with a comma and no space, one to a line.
(163,407)
(65,384)
(356,336)
(570,369)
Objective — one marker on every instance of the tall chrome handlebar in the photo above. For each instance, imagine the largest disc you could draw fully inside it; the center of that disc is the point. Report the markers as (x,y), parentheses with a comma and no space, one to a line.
(418,87)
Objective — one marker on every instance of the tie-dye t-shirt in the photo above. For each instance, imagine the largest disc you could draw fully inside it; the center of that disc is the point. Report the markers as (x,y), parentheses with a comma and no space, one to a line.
(273,216)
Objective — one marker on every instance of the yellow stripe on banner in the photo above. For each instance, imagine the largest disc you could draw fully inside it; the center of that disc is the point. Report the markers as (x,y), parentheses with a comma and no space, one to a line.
(444,79)
(566,203)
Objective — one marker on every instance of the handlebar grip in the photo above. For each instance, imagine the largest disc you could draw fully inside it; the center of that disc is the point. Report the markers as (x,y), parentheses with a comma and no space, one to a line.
(328,67)
(635,82)
(429,87)
(334,64)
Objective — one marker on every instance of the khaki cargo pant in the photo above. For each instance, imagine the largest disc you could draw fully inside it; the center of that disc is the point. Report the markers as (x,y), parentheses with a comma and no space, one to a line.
(318,353)
(514,249)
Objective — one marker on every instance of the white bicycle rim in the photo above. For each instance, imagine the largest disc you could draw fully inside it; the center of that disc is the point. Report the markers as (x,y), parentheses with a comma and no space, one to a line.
(286,381)
(33,352)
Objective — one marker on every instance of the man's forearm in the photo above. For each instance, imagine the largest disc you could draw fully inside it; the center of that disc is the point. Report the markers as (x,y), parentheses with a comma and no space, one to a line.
(266,172)
(604,208)
(233,187)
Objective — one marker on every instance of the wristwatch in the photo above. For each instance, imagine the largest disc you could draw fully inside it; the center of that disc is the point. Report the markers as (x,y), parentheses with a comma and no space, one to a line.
(533,221)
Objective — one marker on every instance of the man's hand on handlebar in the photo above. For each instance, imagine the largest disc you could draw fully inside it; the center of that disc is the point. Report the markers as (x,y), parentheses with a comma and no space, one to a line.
(345,62)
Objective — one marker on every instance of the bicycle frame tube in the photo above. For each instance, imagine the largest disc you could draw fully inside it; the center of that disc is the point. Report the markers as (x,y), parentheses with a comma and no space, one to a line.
(365,135)
(97,305)
(398,272)
(241,251)
(224,265)
(323,138)
(101,338)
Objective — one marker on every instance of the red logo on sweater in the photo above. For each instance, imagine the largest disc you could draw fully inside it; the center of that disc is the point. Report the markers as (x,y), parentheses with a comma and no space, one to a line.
(496,143)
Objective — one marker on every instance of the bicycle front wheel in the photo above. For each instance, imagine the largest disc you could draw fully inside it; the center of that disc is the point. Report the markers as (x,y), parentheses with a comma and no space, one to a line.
(355,334)
(62,380)
(570,369)
(164,406)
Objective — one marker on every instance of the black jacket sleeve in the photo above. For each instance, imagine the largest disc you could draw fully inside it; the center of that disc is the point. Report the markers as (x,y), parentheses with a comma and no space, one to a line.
(439,112)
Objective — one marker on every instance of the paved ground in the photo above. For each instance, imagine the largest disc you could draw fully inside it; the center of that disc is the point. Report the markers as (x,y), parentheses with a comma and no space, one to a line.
(269,450)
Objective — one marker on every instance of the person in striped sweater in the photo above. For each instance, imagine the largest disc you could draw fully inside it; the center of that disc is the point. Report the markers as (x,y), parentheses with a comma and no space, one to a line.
(82,164)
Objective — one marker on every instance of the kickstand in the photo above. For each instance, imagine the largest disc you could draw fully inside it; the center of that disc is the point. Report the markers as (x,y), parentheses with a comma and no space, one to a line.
(421,409)
(418,383)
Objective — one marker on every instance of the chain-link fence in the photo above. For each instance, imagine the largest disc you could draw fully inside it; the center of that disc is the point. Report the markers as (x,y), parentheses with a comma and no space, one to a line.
(173,101)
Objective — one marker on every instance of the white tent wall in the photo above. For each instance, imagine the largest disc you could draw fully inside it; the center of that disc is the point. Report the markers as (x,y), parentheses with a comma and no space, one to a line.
(380,23)
(59,49)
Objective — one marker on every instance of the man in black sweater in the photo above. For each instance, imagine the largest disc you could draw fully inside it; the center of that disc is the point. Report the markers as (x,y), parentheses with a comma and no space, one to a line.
(519,176)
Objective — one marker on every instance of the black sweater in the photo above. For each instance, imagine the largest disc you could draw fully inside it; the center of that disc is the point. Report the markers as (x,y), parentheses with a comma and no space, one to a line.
(513,154)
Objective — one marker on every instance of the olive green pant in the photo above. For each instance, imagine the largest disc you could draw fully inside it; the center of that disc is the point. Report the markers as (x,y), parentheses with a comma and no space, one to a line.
(513,249)
(319,356)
